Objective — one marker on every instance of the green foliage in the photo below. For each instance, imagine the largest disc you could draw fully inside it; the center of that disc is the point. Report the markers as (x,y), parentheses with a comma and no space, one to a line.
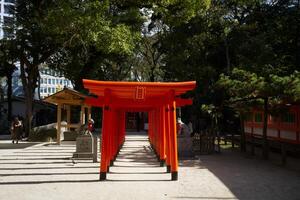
(98,39)
(43,135)
(8,57)
(176,12)
(244,86)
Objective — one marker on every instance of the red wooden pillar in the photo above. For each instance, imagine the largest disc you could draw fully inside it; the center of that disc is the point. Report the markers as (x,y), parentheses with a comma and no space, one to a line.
(154,130)
(158,133)
(119,137)
(167,132)
(109,135)
(162,137)
(105,135)
(115,136)
(122,128)
(173,139)
(150,126)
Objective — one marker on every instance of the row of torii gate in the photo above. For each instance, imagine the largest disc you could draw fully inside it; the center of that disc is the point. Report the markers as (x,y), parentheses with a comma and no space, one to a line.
(158,99)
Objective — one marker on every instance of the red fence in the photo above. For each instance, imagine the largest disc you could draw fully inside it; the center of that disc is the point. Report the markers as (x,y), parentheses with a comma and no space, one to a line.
(285,127)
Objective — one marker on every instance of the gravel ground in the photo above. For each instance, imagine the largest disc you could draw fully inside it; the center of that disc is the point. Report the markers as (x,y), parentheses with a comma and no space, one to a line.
(45,171)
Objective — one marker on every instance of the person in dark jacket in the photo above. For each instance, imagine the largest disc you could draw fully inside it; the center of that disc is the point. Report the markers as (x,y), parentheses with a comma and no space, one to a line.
(16,130)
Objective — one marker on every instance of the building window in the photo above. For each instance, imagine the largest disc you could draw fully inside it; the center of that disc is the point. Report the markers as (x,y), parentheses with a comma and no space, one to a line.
(49,90)
(49,81)
(288,117)
(9,1)
(42,81)
(53,81)
(258,117)
(8,22)
(9,9)
(45,90)
(53,90)
(41,90)
(57,81)
(7,27)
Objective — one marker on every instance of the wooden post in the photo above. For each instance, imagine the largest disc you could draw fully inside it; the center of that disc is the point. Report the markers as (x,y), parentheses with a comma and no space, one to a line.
(58,123)
(232,139)
(243,135)
(219,141)
(82,115)
(89,113)
(173,139)
(95,149)
(162,137)
(68,117)
(283,154)
(252,144)
(105,136)
(168,148)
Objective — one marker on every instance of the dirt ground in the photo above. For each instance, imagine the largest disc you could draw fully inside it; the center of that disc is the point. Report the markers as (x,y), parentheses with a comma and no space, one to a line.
(46,171)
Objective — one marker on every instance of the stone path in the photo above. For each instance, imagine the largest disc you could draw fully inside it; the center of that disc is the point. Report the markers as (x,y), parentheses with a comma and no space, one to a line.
(45,171)
(136,161)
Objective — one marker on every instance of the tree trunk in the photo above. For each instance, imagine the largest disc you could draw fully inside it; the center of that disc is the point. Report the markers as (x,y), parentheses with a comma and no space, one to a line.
(152,75)
(29,113)
(9,95)
(1,94)
(243,136)
(265,128)
(29,85)
(227,55)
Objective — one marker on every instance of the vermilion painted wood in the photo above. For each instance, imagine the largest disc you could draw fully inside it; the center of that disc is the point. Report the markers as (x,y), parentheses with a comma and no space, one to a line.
(277,124)
(104,153)
(116,98)
(125,89)
(163,135)
(150,103)
(167,133)
(173,138)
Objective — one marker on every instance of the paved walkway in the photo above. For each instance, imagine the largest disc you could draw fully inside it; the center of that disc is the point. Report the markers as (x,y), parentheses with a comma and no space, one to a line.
(45,171)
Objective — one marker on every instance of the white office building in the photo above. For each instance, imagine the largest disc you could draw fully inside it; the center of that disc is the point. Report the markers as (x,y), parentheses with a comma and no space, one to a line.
(6,15)
(51,82)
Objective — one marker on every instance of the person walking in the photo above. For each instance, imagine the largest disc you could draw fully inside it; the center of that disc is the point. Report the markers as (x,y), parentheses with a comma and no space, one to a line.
(16,130)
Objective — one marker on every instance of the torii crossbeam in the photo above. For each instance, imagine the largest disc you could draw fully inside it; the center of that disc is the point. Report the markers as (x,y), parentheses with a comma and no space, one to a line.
(157,98)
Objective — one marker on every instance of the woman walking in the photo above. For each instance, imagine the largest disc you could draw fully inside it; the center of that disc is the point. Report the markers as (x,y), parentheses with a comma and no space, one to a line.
(16,130)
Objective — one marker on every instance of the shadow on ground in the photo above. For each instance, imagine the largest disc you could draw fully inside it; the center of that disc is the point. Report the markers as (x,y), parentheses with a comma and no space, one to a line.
(17,146)
(249,177)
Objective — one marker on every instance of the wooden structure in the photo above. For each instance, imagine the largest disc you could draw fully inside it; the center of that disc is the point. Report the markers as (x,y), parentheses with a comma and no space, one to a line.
(64,99)
(284,128)
(158,99)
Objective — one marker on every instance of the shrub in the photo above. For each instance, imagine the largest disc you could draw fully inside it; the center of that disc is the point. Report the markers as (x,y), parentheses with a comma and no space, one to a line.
(43,135)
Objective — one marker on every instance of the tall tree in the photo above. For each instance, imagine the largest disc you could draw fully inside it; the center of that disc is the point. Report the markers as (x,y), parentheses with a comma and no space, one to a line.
(34,44)
(262,90)
(99,38)
(8,59)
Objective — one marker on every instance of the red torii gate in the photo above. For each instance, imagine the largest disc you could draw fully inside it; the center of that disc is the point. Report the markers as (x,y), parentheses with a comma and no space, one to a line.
(156,98)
